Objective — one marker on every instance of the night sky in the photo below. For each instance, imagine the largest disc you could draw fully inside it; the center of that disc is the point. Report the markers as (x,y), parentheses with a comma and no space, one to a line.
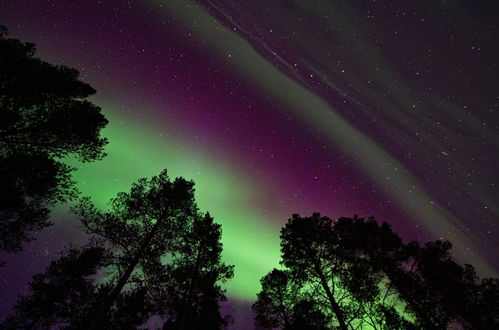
(383,108)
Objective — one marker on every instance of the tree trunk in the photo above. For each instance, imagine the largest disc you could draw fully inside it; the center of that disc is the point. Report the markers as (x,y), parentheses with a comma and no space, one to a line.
(189,290)
(104,309)
(334,305)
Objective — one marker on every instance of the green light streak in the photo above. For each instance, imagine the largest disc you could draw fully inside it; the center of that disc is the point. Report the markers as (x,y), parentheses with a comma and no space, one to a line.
(137,150)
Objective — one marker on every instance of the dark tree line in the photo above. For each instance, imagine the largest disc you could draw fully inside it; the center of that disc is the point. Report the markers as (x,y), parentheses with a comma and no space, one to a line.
(352,273)
(152,254)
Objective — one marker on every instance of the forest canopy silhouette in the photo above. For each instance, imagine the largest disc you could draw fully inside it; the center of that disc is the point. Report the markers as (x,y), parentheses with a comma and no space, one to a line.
(153,254)
(354,273)
(44,117)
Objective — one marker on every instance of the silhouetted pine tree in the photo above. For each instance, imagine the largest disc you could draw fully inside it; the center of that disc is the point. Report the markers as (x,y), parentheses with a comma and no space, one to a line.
(44,117)
(160,242)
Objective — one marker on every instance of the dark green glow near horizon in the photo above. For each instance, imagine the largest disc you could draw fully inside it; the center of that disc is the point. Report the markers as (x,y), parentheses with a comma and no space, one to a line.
(249,240)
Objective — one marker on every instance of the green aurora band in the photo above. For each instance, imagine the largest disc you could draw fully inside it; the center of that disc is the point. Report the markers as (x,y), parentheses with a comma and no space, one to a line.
(250,241)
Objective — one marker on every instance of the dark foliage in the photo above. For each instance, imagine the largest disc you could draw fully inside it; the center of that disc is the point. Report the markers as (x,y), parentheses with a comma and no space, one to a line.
(190,282)
(29,184)
(275,302)
(280,304)
(44,117)
(306,315)
(156,256)
(62,296)
(162,243)
(352,273)
(441,292)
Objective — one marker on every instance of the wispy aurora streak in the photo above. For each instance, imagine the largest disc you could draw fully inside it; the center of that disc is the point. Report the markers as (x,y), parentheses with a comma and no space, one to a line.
(379,165)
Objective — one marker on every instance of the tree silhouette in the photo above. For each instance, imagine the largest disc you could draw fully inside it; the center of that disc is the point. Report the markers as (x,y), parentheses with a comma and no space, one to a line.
(159,241)
(308,252)
(154,254)
(275,302)
(306,315)
(65,293)
(44,117)
(334,266)
(29,184)
(353,273)
(441,292)
(280,304)
(193,296)
(487,302)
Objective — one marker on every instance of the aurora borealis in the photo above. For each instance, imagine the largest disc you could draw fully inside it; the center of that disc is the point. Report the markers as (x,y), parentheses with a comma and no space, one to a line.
(278,107)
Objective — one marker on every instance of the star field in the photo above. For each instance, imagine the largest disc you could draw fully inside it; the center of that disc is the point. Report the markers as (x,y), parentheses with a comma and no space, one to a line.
(362,107)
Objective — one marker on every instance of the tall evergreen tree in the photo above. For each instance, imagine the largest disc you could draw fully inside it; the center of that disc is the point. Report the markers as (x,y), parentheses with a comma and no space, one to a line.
(44,117)
(160,241)
(334,266)
(157,256)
